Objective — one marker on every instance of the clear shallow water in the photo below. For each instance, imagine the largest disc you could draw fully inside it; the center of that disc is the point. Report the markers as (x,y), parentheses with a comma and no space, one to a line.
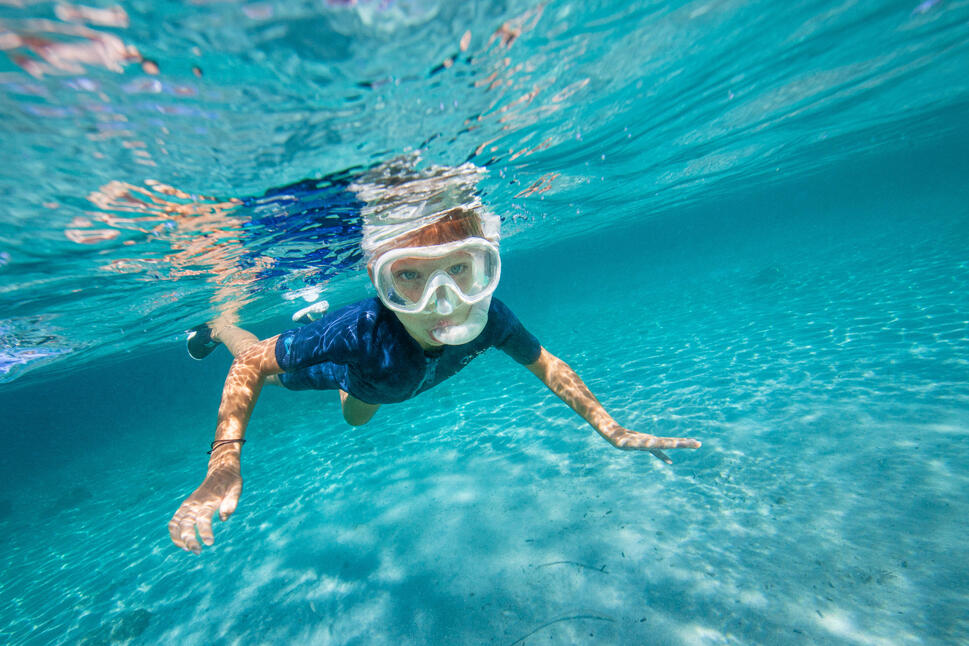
(810,328)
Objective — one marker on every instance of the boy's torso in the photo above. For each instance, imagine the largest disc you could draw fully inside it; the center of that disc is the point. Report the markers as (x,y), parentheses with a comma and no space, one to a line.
(364,349)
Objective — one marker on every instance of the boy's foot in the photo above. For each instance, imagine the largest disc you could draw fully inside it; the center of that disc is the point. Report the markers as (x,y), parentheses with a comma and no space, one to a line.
(311,312)
(200,343)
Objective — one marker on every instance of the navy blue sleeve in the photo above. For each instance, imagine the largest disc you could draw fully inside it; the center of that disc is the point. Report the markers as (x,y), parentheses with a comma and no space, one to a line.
(511,337)
(335,338)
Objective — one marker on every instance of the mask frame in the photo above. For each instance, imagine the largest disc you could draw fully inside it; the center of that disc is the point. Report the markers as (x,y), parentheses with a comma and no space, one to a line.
(485,268)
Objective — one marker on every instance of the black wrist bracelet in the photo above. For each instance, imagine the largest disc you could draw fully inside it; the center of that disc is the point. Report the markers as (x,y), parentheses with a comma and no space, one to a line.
(219,443)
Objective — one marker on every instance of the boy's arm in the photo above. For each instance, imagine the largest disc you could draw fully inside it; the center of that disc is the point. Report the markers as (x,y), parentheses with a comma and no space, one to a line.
(564,382)
(223,481)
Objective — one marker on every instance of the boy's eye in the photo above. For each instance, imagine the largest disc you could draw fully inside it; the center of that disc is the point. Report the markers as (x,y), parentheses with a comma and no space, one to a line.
(458,269)
(407,274)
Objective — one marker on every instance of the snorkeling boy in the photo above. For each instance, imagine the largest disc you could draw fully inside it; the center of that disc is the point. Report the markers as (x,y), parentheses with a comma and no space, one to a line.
(435,276)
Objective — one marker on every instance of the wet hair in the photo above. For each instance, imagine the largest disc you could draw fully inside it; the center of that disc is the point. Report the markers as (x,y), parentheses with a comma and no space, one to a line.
(456,224)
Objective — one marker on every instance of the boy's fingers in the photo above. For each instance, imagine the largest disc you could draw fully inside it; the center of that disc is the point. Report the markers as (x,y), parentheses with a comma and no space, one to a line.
(644,441)
(179,527)
(173,531)
(182,526)
(671,443)
(204,523)
(186,533)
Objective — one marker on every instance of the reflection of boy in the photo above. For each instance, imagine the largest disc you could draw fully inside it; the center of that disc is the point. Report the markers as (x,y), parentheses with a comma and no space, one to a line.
(434,314)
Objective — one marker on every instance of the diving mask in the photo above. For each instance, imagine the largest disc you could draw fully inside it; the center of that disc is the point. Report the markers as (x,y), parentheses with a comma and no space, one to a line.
(437,279)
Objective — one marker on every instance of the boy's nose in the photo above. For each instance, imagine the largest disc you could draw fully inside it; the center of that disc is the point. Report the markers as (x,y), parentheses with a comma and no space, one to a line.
(442,302)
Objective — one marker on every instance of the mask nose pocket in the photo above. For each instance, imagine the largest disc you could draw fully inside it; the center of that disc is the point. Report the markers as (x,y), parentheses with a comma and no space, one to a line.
(442,301)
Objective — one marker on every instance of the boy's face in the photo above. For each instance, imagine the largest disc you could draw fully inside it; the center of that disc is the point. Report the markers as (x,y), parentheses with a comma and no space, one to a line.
(410,277)
(434,289)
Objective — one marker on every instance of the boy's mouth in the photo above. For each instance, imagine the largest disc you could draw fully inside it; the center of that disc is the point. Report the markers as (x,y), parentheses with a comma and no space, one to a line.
(447,321)
(438,328)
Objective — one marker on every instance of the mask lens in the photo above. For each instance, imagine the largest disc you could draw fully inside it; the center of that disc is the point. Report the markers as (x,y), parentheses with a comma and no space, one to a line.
(409,278)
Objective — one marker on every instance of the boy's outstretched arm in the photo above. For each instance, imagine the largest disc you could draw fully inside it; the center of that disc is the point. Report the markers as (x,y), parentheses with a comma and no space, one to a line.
(223,481)
(564,382)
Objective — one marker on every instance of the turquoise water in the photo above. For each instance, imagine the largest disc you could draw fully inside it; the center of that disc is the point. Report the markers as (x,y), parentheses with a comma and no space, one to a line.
(741,222)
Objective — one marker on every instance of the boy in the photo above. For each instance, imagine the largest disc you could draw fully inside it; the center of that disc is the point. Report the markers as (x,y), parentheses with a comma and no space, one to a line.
(434,312)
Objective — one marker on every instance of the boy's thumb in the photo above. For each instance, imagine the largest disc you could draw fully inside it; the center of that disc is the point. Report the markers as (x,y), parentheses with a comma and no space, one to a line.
(228,505)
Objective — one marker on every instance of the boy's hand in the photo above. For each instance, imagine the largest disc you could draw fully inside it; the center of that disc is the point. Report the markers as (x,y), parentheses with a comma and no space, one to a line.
(628,440)
(220,490)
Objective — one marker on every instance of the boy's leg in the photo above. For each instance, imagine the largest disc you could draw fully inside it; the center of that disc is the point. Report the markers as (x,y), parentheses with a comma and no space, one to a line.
(238,341)
(356,412)
(234,337)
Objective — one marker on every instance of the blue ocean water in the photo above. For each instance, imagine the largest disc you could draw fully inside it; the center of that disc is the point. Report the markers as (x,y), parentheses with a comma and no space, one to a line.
(741,222)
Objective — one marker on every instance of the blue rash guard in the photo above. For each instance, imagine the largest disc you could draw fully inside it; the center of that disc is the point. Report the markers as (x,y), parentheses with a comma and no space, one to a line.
(364,350)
